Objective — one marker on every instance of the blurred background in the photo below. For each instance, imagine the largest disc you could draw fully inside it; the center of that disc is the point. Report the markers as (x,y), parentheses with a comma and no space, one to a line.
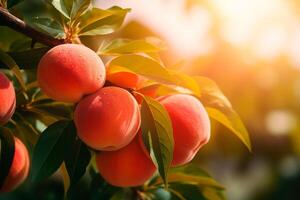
(251,48)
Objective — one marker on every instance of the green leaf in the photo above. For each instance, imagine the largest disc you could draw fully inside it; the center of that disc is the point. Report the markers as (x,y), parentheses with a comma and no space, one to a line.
(79,7)
(49,151)
(66,178)
(53,108)
(124,46)
(211,91)
(167,90)
(124,194)
(39,120)
(185,192)
(191,169)
(28,59)
(9,36)
(48,26)
(143,66)
(100,188)
(220,109)
(232,121)
(68,5)
(11,3)
(186,81)
(102,23)
(194,180)
(213,194)
(92,16)
(157,135)
(11,64)
(155,56)
(60,6)
(7,152)
(20,45)
(44,113)
(24,127)
(76,158)
(191,175)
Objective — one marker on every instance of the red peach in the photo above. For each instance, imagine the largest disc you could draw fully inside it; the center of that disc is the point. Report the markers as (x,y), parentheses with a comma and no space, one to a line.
(126,167)
(108,119)
(7,99)
(19,168)
(191,126)
(68,72)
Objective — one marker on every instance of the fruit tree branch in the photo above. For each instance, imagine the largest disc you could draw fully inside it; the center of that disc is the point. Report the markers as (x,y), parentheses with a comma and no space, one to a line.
(9,20)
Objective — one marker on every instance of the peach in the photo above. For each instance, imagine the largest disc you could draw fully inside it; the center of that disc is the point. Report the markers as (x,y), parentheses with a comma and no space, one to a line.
(19,168)
(7,99)
(125,79)
(108,119)
(69,71)
(126,167)
(191,126)
(150,91)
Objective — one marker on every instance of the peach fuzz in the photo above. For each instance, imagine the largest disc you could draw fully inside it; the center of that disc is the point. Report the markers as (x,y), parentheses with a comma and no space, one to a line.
(191,126)
(19,168)
(126,167)
(68,72)
(108,119)
(7,99)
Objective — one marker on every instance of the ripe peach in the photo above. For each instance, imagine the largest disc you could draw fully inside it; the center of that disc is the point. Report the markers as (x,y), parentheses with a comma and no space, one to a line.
(125,79)
(69,71)
(150,91)
(19,169)
(126,167)
(191,126)
(7,99)
(108,119)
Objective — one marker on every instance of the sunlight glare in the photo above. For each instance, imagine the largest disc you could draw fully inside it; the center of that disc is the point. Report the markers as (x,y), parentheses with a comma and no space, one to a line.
(265,27)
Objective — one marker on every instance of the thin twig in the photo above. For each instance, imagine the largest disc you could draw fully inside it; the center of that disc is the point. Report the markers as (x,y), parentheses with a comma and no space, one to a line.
(9,20)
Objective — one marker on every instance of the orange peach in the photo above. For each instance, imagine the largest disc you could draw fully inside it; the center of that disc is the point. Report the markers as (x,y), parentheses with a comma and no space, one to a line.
(126,167)
(7,99)
(191,126)
(68,72)
(108,119)
(19,168)
(150,91)
(125,79)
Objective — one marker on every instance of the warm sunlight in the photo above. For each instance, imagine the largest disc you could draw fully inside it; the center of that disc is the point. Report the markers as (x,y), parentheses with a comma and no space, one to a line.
(185,31)
(150,99)
(265,29)
(268,28)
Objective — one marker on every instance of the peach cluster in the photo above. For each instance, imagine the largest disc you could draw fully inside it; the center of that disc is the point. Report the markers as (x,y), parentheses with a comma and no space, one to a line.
(19,168)
(108,118)
(7,99)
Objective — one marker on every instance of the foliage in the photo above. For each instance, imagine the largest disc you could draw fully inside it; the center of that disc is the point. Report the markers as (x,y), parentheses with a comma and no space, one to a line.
(47,127)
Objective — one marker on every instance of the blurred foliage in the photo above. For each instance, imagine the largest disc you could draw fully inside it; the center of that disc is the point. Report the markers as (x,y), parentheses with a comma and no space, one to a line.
(257,89)
(60,161)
